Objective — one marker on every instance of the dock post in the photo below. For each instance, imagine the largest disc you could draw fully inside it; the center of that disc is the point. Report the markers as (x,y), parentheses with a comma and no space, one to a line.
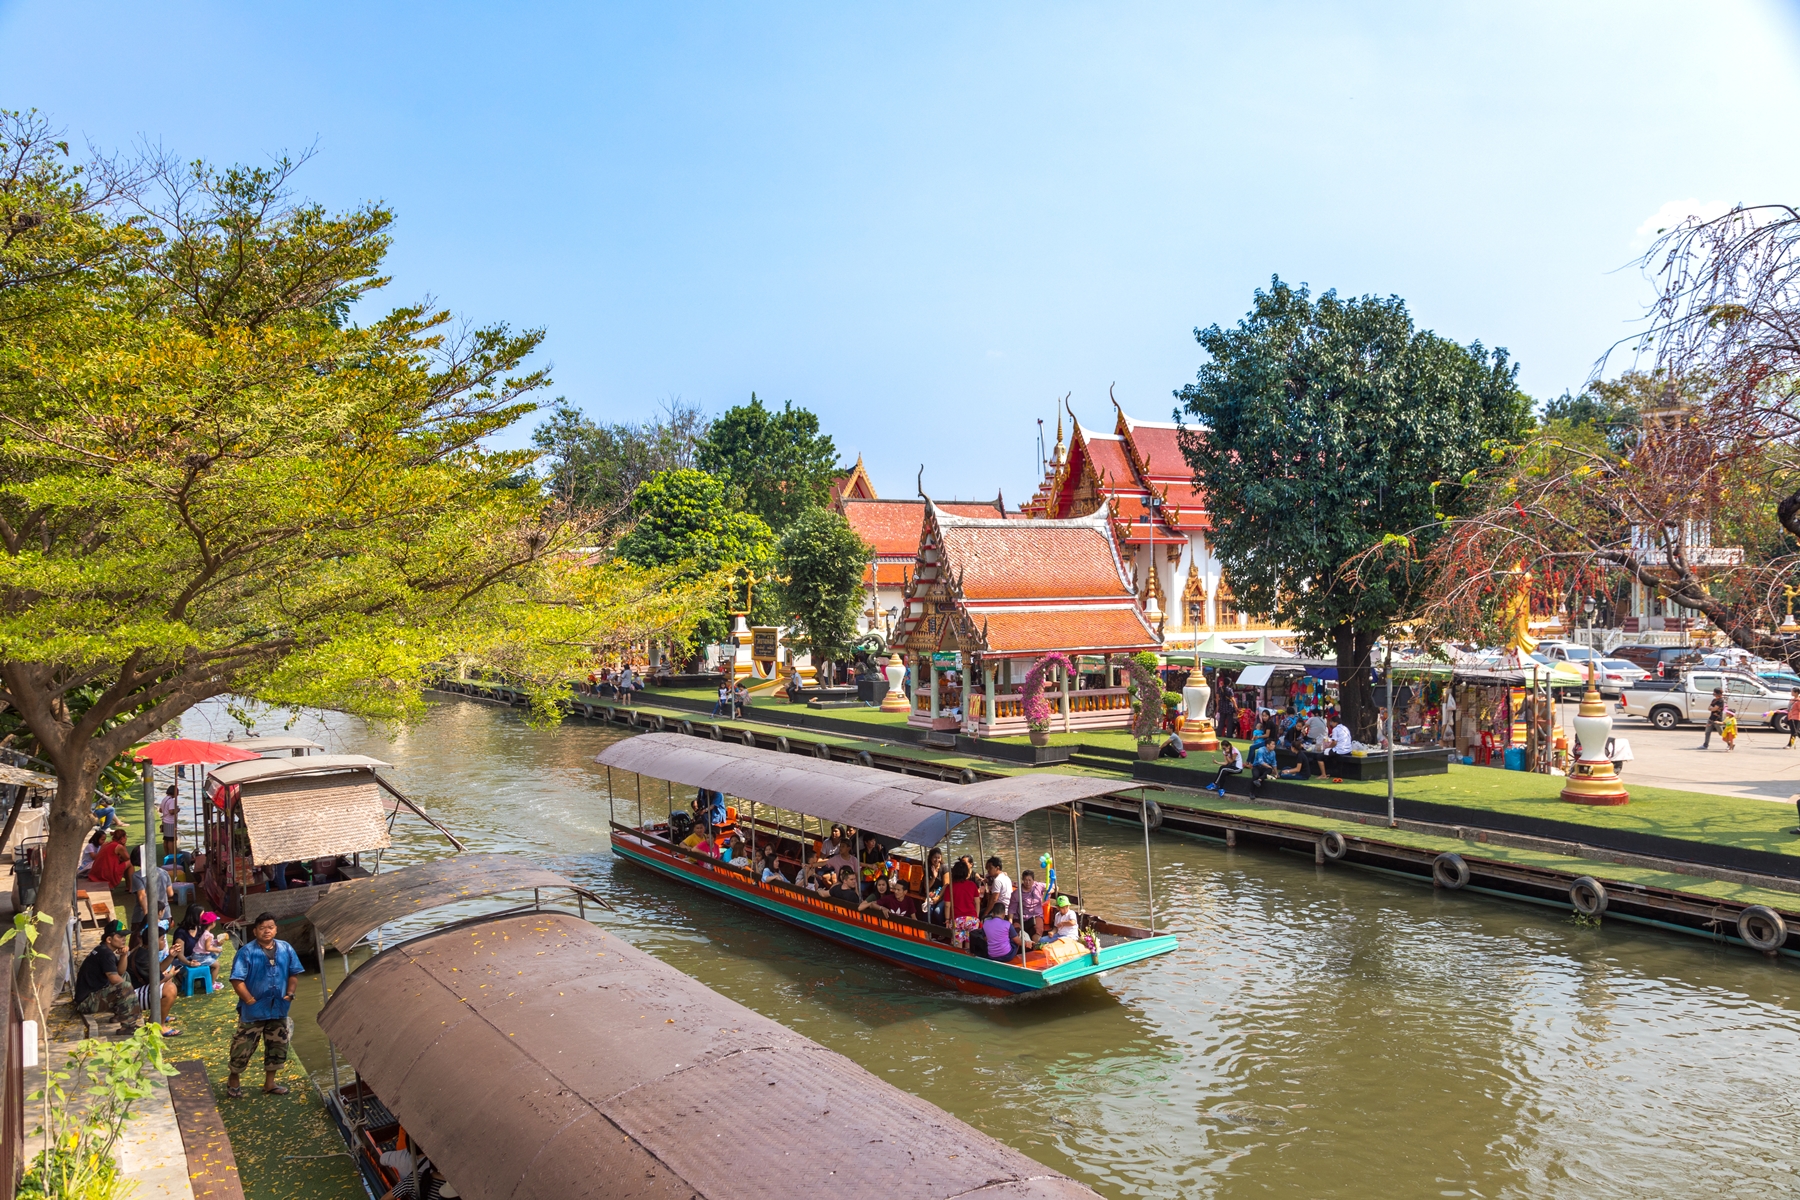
(1149,879)
(152,894)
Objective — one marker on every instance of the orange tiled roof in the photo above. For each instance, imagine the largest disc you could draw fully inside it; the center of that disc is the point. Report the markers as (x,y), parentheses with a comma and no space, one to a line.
(893,526)
(1110,460)
(1022,631)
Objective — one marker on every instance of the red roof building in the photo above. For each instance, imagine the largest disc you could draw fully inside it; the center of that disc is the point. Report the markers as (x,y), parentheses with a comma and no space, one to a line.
(993,595)
(1139,474)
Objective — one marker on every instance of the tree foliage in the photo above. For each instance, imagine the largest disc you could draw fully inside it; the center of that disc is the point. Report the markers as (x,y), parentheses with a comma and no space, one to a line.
(819,563)
(775,464)
(214,482)
(684,523)
(1323,428)
(595,469)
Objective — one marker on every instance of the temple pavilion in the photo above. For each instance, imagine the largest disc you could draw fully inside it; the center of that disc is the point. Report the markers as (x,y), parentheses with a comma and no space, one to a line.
(893,528)
(1138,474)
(987,597)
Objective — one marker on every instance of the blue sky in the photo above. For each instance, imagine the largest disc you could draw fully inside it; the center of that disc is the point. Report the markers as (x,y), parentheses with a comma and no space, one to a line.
(928,222)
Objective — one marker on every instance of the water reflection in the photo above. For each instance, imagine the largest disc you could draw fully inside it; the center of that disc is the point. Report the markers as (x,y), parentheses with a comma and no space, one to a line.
(1322,1032)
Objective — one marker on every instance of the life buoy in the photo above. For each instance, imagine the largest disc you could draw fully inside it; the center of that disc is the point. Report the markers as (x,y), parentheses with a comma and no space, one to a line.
(863,757)
(1152,813)
(1588,895)
(1762,928)
(967,776)
(748,738)
(717,733)
(687,727)
(1448,870)
(1333,845)
(781,744)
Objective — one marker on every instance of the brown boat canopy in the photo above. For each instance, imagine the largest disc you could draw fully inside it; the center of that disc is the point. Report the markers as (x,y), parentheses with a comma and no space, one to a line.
(879,801)
(536,1055)
(302,808)
(354,908)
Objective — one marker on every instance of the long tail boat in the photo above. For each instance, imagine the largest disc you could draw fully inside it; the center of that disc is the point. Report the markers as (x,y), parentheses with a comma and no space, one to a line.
(903,810)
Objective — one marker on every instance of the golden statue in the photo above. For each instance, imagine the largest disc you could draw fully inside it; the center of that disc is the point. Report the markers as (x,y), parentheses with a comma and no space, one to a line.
(1517,613)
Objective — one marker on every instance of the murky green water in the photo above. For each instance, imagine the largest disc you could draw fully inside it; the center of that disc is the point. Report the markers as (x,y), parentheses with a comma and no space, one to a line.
(1321,1032)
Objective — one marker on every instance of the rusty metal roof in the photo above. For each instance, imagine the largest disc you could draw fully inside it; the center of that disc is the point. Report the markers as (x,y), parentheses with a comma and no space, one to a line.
(357,906)
(292,820)
(535,1055)
(1012,797)
(267,745)
(272,768)
(878,801)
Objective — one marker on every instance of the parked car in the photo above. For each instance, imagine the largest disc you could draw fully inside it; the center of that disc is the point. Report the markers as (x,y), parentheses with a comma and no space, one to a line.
(1658,660)
(1568,652)
(1666,704)
(1617,674)
(1784,681)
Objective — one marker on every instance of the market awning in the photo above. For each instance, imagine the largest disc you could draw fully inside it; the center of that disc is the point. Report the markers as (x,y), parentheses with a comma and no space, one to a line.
(353,909)
(1255,675)
(1017,796)
(878,801)
(536,1055)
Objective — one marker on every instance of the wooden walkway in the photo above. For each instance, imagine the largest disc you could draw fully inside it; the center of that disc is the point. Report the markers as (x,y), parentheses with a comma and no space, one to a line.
(212,1168)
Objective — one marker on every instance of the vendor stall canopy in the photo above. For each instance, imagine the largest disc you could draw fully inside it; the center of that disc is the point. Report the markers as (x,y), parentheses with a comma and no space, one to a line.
(881,802)
(535,1055)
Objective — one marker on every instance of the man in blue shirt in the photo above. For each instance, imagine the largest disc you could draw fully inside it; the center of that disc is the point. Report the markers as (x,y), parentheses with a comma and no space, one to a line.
(264,975)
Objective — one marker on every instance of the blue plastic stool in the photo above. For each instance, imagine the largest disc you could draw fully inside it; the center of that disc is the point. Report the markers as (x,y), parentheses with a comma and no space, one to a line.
(194,973)
(181,893)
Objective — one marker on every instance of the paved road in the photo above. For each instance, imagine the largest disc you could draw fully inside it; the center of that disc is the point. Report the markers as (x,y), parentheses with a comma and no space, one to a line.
(1761,766)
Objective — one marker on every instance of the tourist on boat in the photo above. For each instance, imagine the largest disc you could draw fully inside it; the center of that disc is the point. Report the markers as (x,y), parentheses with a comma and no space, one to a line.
(964,904)
(737,853)
(1032,897)
(707,845)
(1004,940)
(876,900)
(100,984)
(771,867)
(999,884)
(140,971)
(1064,923)
(1231,762)
(264,975)
(936,880)
(899,899)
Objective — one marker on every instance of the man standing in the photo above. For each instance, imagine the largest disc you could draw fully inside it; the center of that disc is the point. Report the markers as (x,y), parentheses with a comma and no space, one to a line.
(999,884)
(170,807)
(264,975)
(1715,716)
(101,983)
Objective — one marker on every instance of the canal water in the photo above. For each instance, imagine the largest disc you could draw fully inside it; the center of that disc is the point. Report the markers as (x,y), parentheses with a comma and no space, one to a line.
(1322,1032)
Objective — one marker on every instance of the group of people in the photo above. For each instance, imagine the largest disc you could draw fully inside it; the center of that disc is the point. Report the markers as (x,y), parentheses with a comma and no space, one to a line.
(732,701)
(622,684)
(1310,736)
(982,908)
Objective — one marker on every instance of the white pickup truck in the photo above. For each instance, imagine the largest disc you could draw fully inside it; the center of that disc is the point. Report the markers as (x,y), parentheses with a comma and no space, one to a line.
(1668,703)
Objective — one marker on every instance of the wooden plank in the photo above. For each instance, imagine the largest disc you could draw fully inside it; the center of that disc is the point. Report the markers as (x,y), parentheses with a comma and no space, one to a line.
(212,1167)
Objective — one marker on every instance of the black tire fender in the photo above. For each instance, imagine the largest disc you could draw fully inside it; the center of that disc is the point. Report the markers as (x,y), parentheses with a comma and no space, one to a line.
(717,733)
(1588,895)
(1333,845)
(748,738)
(1448,870)
(1153,814)
(781,744)
(1762,928)
(687,727)
(967,776)
(863,758)
(821,750)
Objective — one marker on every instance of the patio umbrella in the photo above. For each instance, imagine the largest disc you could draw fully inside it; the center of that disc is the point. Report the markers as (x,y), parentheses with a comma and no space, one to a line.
(188,752)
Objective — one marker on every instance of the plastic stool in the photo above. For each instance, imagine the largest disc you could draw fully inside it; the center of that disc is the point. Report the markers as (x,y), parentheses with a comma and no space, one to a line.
(194,973)
(181,893)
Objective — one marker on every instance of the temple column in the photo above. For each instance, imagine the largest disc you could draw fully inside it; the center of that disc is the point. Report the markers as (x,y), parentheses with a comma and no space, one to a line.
(991,673)
(934,687)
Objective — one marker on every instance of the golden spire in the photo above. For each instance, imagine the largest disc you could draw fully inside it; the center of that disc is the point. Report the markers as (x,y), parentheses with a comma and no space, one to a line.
(1056,456)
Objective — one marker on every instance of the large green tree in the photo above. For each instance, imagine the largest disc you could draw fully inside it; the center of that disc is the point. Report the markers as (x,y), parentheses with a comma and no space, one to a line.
(775,464)
(1321,428)
(685,523)
(213,481)
(595,468)
(820,562)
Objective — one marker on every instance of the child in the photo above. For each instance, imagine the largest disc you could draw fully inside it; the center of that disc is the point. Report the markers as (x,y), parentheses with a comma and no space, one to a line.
(1729,730)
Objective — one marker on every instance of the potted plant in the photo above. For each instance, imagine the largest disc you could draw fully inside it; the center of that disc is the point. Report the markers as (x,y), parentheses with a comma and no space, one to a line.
(1031,697)
(1146,706)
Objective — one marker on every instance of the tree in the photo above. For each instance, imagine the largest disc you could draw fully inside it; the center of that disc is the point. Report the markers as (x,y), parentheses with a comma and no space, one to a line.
(820,563)
(214,482)
(775,464)
(1324,427)
(596,468)
(684,523)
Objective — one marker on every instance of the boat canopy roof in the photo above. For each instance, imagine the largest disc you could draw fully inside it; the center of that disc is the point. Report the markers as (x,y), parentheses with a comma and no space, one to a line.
(536,1055)
(274,768)
(20,777)
(883,802)
(879,801)
(269,745)
(354,908)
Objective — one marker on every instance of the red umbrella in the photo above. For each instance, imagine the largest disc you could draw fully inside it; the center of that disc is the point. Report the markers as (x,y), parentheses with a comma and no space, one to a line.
(188,752)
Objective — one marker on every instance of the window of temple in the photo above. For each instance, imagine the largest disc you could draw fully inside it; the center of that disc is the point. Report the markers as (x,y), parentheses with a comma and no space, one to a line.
(1193,597)
(1228,609)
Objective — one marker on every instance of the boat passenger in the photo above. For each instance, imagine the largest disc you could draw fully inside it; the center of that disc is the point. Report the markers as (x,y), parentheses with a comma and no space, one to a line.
(1064,923)
(877,900)
(999,884)
(963,905)
(737,853)
(1003,940)
(707,845)
(771,868)
(936,881)
(1031,894)
(843,888)
(899,900)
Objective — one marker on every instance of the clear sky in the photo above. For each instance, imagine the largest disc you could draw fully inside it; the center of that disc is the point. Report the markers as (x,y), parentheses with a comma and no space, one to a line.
(928,222)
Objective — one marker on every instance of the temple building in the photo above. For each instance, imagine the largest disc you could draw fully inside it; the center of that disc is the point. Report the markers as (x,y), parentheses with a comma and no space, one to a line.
(987,597)
(1138,475)
(893,528)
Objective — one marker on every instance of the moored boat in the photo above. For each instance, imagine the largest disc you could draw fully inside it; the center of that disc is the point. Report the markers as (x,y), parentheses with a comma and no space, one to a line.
(900,812)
